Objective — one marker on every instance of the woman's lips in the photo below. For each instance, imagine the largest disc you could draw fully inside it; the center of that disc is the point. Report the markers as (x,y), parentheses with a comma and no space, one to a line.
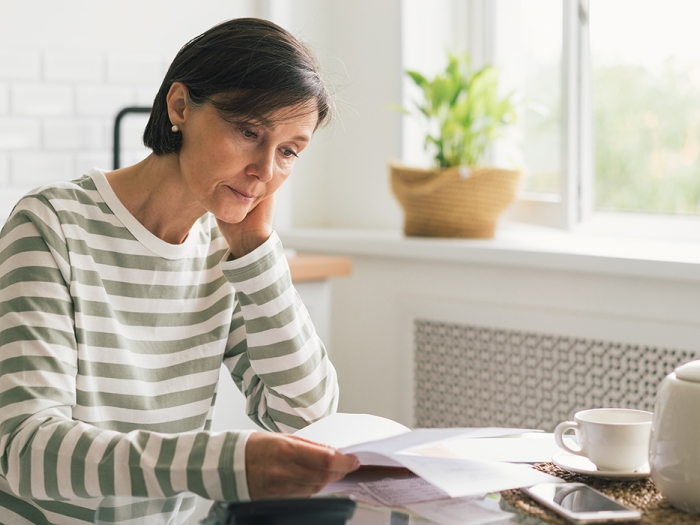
(242,195)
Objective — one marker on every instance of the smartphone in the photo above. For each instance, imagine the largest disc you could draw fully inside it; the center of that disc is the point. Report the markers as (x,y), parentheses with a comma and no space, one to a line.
(580,503)
(328,510)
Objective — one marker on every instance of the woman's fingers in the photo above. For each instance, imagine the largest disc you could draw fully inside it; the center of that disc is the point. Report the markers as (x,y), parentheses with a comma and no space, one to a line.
(283,465)
(252,231)
(322,457)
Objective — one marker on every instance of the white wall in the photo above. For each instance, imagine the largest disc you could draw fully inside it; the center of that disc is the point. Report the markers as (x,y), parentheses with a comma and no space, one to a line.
(373,312)
(342,178)
(113,25)
(67,68)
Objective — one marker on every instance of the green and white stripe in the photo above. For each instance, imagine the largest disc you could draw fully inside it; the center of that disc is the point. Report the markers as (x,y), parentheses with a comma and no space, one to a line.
(111,342)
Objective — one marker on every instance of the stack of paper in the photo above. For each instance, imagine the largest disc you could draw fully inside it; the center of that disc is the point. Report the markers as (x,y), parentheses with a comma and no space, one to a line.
(380,441)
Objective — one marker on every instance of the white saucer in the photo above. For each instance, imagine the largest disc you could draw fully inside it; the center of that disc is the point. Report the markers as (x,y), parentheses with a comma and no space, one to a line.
(582,465)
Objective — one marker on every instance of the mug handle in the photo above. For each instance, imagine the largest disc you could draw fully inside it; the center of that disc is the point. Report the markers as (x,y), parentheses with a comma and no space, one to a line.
(559,437)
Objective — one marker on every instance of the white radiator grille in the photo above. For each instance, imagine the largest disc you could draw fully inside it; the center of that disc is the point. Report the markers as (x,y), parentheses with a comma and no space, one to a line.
(479,376)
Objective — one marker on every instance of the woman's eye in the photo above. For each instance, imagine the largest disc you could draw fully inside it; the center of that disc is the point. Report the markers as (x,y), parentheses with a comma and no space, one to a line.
(289,153)
(249,134)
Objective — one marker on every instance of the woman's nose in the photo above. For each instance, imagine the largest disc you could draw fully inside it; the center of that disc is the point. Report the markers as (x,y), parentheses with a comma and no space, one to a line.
(263,166)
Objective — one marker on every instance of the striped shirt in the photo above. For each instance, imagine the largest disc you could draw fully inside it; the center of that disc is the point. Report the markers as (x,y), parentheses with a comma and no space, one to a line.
(111,341)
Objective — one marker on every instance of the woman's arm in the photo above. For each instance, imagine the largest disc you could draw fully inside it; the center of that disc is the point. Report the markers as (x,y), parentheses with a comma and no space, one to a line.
(278,361)
(273,352)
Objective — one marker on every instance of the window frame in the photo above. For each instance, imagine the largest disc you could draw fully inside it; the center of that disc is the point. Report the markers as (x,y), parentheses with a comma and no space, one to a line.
(574,207)
(568,208)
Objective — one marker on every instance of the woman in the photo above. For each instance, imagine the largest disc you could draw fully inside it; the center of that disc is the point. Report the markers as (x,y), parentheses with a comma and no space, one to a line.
(122,293)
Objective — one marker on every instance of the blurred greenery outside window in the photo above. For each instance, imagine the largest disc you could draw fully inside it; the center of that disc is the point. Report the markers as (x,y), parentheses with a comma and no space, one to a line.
(646,105)
(642,74)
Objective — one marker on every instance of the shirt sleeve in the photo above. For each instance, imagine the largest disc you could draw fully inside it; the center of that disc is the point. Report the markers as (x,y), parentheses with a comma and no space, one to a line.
(44,453)
(273,353)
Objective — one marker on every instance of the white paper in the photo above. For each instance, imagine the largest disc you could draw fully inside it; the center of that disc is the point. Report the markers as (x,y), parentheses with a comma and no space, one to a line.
(459,511)
(353,479)
(378,460)
(462,477)
(382,452)
(399,492)
(456,477)
(343,430)
(361,494)
(534,448)
(374,440)
(423,437)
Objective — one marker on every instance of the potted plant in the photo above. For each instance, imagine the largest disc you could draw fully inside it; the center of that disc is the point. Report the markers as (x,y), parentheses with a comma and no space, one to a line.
(457,197)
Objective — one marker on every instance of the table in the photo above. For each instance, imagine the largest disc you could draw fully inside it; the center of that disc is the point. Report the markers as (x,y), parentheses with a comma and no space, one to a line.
(189,509)
(310,267)
(639,493)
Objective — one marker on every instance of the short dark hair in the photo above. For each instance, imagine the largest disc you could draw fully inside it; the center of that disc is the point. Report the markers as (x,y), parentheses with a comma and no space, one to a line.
(247,69)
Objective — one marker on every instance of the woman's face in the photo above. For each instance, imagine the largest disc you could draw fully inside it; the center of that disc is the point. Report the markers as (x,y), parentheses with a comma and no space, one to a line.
(230,168)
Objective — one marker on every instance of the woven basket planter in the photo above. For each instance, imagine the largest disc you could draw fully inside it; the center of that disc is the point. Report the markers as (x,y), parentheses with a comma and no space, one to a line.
(445,203)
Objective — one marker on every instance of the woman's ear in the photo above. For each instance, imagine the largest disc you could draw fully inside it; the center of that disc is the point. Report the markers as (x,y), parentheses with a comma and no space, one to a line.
(176,100)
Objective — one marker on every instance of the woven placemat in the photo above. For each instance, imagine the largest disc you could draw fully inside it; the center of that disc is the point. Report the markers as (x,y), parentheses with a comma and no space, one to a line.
(640,494)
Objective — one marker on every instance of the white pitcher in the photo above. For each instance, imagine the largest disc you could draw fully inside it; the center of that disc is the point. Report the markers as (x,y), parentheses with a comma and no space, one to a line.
(674,448)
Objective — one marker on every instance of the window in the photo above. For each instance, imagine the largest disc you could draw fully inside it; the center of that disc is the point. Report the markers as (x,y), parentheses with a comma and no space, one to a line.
(610,127)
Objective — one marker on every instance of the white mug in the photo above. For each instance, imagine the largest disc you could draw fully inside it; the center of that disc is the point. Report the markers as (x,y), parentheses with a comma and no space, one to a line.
(614,439)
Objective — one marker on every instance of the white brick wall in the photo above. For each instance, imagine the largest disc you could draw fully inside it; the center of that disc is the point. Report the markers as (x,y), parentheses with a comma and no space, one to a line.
(132,68)
(57,112)
(74,134)
(145,96)
(74,67)
(103,100)
(87,160)
(41,99)
(20,65)
(4,99)
(38,167)
(4,169)
(19,134)
(132,157)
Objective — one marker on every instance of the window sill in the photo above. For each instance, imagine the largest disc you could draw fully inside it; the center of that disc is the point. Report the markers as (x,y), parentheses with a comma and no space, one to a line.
(516,245)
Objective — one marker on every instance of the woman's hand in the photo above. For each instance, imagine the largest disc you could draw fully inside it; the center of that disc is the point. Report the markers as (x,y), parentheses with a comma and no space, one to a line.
(280,465)
(251,232)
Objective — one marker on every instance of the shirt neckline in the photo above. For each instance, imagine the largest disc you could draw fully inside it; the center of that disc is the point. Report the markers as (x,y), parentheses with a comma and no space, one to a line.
(138,230)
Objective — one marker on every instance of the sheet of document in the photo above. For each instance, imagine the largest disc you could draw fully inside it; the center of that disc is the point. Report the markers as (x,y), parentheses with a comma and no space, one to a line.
(423,437)
(343,430)
(463,477)
(532,448)
(425,500)
(400,492)
(355,432)
(364,475)
(360,494)
(456,477)
(374,440)
(460,511)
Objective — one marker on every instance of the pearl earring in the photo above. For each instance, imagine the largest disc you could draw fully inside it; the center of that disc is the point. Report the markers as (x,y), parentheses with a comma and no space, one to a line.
(175,128)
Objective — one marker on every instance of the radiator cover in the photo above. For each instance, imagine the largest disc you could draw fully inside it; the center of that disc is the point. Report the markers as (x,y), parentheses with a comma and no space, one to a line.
(480,376)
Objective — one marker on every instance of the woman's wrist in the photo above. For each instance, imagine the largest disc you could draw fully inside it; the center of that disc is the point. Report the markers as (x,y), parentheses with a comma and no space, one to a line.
(246,244)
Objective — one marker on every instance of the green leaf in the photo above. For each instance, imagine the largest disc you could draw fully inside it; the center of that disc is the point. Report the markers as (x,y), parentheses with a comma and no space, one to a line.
(419,79)
(466,109)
